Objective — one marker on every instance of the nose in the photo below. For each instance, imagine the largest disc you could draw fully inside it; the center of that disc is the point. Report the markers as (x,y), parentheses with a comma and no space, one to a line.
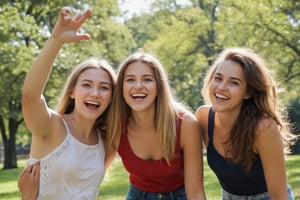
(222,85)
(138,84)
(95,91)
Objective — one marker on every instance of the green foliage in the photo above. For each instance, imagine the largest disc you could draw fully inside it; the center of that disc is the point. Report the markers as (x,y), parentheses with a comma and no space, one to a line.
(186,38)
(271,28)
(25,26)
(115,183)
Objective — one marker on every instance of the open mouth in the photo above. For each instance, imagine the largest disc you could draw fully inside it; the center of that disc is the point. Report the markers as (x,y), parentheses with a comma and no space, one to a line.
(138,96)
(220,96)
(91,104)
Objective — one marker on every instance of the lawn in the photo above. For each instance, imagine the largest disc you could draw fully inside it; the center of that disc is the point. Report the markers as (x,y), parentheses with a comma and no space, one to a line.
(115,184)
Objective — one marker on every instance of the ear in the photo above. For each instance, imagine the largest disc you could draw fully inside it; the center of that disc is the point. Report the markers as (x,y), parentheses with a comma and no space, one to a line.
(247,95)
(72,95)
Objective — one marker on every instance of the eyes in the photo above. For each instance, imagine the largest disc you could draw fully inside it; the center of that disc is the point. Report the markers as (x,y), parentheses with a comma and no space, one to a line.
(101,86)
(232,81)
(133,79)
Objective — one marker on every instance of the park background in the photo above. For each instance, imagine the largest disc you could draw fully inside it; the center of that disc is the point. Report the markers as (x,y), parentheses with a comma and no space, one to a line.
(186,35)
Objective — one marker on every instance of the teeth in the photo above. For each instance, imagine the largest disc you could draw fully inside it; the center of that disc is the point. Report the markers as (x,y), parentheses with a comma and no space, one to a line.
(221,96)
(92,103)
(138,95)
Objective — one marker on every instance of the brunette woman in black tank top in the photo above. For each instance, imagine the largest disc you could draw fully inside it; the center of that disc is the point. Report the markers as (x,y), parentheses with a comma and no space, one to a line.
(246,134)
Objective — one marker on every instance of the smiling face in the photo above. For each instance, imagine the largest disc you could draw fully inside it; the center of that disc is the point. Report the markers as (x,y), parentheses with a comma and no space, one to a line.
(139,86)
(92,93)
(228,87)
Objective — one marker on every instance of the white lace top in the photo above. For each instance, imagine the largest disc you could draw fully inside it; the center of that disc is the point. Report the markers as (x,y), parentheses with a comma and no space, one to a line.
(72,171)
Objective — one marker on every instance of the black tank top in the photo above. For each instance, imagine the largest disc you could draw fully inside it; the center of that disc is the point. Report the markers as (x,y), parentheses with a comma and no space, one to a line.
(232,177)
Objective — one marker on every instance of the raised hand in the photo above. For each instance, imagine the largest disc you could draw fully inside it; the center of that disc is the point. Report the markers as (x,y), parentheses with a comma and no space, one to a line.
(67,26)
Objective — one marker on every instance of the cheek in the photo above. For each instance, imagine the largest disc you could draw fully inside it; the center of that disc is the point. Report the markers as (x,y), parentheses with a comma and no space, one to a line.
(126,90)
(125,87)
(211,86)
(108,97)
(152,87)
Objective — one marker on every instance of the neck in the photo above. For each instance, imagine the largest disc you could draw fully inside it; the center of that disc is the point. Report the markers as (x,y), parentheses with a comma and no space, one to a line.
(226,120)
(80,125)
(142,120)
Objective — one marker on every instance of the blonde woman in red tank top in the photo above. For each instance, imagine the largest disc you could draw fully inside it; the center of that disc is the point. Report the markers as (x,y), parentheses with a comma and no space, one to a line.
(158,140)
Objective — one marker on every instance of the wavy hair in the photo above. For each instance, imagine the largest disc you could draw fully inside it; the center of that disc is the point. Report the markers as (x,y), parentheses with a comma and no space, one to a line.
(264,102)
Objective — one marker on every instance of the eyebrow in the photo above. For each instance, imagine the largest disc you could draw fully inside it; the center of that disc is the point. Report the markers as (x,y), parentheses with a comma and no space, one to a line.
(232,78)
(144,75)
(101,82)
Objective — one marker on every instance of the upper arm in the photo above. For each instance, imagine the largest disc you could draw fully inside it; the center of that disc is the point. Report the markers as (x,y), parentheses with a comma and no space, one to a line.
(191,142)
(111,152)
(202,117)
(37,116)
(268,143)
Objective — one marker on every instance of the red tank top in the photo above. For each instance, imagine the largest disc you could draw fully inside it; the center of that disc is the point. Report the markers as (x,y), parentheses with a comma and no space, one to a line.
(153,175)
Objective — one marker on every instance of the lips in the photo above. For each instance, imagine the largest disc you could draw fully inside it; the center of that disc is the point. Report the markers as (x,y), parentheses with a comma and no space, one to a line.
(92,104)
(220,96)
(140,95)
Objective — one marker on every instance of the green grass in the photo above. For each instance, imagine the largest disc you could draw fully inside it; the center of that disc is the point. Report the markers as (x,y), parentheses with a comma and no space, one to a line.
(115,184)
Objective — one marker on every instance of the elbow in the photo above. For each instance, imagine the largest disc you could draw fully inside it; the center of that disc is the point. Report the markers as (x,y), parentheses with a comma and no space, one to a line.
(25,97)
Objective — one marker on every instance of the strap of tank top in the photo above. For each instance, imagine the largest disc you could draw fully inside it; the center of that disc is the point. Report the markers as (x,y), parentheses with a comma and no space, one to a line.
(211,121)
(66,126)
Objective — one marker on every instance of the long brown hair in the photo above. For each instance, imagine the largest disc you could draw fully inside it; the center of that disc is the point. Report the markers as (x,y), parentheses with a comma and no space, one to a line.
(264,102)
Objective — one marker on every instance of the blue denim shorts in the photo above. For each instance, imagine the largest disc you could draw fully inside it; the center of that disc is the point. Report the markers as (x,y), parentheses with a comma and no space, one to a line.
(137,194)
(262,196)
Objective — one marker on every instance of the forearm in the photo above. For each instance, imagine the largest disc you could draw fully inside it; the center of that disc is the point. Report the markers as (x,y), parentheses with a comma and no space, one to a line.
(38,74)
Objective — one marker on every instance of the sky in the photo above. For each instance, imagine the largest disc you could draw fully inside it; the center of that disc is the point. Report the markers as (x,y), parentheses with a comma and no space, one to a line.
(135,6)
(139,6)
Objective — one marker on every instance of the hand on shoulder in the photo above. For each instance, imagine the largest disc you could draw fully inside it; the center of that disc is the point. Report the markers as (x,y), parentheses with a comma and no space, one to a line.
(28,181)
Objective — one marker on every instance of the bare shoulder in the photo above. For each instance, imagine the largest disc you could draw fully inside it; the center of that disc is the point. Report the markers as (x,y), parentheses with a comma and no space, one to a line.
(190,131)
(202,118)
(202,114)
(189,123)
(267,127)
(267,132)
(188,117)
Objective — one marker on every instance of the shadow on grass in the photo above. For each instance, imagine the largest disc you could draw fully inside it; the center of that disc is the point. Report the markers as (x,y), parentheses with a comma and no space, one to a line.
(10,195)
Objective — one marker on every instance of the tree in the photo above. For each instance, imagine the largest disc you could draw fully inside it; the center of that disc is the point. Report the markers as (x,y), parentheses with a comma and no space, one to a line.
(188,37)
(14,56)
(272,29)
(25,25)
(184,38)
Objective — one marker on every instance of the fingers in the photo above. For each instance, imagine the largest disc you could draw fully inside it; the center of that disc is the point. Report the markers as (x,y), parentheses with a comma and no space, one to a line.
(31,169)
(66,14)
(26,170)
(36,171)
(82,17)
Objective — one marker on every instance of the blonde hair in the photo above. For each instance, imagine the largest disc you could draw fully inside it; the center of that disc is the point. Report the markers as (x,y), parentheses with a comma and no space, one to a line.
(263,102)
(66,103)
(166,111)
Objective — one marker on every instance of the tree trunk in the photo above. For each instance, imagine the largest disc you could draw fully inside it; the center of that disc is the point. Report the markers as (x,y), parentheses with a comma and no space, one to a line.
(10,155)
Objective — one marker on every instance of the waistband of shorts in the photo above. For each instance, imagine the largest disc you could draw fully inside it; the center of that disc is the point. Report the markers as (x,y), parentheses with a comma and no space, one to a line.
(173,193)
